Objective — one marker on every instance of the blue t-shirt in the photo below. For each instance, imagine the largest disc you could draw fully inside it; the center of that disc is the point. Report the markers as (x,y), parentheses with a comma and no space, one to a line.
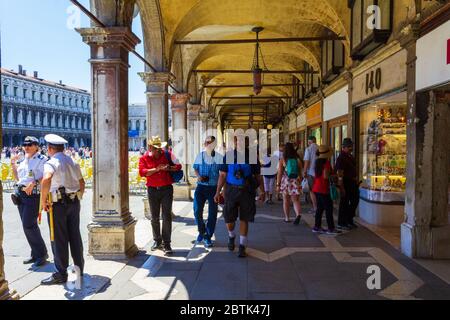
(231,165)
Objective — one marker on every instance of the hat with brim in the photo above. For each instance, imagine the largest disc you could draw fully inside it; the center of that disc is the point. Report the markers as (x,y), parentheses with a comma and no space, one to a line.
(156,142)
(28,141)
(55,140)
(348,142)
(324,152)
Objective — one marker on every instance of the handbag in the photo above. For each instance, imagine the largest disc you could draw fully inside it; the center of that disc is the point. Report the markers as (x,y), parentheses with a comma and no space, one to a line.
(334,194)
(177,176)
(305,185)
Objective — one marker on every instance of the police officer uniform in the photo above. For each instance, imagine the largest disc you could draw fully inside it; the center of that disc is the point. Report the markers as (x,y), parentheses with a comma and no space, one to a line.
(31,170)
(64,190)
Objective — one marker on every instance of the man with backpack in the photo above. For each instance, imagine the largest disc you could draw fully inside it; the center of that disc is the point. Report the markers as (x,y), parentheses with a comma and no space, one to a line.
(157,165)
(241,179)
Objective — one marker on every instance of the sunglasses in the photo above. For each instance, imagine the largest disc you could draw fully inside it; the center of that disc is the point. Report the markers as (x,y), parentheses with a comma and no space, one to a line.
(27,145)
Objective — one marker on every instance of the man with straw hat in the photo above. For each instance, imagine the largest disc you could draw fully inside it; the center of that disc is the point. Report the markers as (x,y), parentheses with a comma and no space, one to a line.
(156,165)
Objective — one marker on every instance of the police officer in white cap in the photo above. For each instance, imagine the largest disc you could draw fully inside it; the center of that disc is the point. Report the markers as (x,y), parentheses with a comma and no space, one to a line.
(28,173)
(64,182)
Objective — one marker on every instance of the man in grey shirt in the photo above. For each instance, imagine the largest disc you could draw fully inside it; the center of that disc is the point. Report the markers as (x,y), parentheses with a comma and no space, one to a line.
(309,171)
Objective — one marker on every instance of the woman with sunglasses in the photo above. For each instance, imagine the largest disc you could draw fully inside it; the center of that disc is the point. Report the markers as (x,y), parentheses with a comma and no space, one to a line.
(28,173)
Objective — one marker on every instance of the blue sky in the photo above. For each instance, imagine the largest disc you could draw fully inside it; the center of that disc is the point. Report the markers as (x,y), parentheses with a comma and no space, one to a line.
(35,34)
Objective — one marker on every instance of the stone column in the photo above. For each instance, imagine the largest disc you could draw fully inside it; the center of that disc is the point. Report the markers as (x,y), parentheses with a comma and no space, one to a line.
(157,103)
(111,232)
(204,125)
(425,232)
(195,138)
(181,145)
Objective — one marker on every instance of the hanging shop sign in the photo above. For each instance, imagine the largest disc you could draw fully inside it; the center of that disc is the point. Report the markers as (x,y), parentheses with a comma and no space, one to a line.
(301,121)
(336,105)
(433,58)
(380,78)
(314,114)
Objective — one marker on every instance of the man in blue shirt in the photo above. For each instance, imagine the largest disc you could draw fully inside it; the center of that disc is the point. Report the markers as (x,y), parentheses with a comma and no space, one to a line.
(206,166)
(242,178)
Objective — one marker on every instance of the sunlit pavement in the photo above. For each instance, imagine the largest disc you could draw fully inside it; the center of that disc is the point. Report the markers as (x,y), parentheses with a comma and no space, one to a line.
(285,262)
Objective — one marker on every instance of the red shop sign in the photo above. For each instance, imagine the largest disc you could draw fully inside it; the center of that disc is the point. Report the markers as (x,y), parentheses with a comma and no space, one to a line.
(448,51)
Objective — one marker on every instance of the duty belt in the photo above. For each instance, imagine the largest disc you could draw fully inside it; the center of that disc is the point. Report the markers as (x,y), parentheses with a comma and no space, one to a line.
(18,188)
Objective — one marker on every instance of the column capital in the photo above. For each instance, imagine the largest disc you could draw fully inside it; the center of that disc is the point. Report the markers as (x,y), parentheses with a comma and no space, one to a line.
(109,37)
(151,78)
(348,76)
(179,101)
(409,35)
(204,116)
(194,109)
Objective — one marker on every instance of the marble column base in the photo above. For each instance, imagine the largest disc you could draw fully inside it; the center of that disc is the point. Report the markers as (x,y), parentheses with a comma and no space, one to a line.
(112,241)
(425,242)
(182,192)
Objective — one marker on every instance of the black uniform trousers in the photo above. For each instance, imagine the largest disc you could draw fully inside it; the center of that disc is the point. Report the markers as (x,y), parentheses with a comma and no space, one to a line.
(349,203)
(160,200)
(29,212)
(66,218)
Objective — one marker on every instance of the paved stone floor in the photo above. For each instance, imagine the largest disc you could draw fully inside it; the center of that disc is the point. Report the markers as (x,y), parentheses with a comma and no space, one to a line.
(285,262)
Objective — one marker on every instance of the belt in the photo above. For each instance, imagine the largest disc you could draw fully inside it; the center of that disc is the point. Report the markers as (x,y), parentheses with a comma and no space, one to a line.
(19,189)
(160,188)
(240,187)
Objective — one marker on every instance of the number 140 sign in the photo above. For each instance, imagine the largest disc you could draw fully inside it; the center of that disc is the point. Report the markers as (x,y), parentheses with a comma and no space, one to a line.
(373,80)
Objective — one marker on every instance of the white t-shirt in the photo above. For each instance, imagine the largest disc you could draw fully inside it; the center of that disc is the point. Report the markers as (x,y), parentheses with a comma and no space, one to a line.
(310,155)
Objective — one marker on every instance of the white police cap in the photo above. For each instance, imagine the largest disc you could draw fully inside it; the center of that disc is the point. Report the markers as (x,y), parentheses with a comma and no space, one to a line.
(55,139)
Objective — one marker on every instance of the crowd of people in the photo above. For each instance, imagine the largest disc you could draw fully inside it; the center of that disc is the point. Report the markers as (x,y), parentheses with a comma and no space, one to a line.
(74,153)
(232,179)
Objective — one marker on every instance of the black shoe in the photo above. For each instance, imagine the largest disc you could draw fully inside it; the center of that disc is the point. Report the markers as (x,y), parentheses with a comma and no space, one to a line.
(168,249)
(242,253)
(343,227)
(41,262)
(29,260)
(55,278)
(352,226)
(231,243)
(156,246)
(297,220)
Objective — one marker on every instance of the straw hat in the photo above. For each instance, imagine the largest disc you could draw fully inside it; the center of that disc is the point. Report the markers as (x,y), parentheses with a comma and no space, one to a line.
(324,152)
(156,142)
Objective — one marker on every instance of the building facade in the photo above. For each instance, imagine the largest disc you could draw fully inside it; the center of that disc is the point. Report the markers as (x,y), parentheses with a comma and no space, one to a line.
(137,126)
(34,106)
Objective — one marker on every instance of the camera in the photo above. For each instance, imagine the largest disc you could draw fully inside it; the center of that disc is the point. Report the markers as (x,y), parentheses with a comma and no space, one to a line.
(239,174)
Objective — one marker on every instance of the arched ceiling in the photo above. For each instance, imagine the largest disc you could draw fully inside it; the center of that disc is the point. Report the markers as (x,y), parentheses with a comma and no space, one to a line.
(234,19)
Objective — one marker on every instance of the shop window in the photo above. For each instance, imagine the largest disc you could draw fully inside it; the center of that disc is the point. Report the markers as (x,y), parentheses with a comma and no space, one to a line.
(371,25)
(382,151)
(312,80)
(316,132)
(333,56)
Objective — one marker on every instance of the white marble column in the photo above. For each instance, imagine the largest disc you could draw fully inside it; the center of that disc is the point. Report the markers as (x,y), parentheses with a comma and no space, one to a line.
(157,103)
(194,127)
(111,232)
(181,145)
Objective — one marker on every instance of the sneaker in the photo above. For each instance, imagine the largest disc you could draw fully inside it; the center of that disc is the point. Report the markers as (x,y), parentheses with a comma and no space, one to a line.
(352,225)
(156,246)
(344,228)
(231,243)
(333,232)
(318,230)
(199,239)
(242,253)
(208,243)
(297,220)
(168,249)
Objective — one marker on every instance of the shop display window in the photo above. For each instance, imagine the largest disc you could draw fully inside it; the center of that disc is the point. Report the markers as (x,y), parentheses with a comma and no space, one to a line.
(316,132)
(382,151)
